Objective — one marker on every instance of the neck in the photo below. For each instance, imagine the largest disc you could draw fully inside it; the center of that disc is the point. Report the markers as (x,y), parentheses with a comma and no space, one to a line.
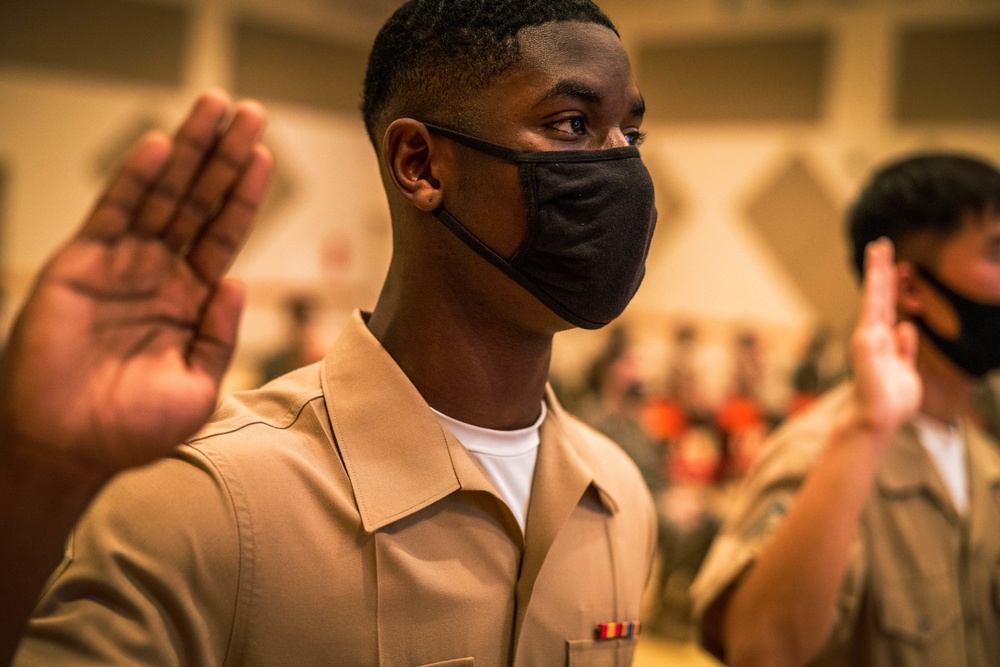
(466,364)
(947,389)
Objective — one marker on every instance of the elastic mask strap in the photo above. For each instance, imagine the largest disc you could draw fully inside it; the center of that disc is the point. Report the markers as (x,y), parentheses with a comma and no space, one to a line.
(502,152)
(993,309)
(929,276)
(536,157)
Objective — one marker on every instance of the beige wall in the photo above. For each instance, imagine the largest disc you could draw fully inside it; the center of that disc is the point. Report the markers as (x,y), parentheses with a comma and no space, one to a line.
(326,228)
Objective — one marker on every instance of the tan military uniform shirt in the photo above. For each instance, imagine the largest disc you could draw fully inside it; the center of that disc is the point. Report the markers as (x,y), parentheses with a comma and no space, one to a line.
(327,519)
(923,584)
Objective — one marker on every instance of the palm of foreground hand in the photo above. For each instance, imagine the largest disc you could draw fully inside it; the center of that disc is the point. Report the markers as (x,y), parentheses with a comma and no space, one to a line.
(120,350)
(108,363)
(887,386)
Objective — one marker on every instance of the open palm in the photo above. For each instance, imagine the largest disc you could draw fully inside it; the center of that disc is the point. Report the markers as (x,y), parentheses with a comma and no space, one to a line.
(120,349)
(887,387)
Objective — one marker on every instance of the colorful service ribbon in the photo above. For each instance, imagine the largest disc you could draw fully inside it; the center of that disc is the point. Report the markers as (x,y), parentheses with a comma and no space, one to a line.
(620,630)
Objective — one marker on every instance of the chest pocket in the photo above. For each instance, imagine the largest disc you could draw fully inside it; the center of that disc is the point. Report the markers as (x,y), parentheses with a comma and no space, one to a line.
(919,614)
(457,662)
(603,653)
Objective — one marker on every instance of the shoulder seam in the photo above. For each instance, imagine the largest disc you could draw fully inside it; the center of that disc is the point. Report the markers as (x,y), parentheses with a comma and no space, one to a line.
(243,423)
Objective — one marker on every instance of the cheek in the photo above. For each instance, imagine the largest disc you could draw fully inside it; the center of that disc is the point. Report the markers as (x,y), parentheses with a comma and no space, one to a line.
(489,202)
(979,279)
(987,283)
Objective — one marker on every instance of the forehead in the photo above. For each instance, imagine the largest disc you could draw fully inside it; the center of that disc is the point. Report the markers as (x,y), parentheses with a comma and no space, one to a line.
(977,233)
(976,227)
(553,54)
(553,47)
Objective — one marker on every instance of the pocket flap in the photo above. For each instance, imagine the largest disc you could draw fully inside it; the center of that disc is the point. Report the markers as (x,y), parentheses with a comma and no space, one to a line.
(600,653)
(918,610)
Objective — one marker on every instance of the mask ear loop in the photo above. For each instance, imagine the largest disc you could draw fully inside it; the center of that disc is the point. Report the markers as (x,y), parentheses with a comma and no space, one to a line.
(526,161)
(524,157)
(928,276)
(526,176)
(954,296)
(502,152)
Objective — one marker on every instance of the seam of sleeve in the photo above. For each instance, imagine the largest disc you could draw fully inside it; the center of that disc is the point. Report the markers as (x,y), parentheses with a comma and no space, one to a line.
(245,549)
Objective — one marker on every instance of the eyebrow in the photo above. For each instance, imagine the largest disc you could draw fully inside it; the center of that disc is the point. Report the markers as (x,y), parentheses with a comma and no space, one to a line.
(639,107)
(584,91)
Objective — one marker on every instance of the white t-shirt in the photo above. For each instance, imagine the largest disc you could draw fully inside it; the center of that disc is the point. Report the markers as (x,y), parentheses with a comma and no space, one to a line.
(507,457)
(946,446)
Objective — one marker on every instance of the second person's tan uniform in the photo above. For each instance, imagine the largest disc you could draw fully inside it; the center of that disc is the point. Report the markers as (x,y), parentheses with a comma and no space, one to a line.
(923,585)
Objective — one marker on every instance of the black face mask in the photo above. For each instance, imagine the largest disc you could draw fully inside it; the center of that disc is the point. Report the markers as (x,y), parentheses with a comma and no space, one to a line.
(976,350)
(590,219)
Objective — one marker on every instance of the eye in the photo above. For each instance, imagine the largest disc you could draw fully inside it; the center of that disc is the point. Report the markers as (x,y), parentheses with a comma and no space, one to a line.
(576,125)
(635,137)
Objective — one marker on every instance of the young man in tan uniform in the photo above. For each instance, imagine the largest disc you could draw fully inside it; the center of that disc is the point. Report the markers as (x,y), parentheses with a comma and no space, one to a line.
(417,498)
(868,532)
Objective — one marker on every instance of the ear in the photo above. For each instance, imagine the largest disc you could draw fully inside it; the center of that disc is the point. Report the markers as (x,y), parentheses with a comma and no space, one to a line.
(909,290)
(409,157)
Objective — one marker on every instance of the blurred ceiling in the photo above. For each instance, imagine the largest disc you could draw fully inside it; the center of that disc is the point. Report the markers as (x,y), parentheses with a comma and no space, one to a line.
(368,10)
(383,8)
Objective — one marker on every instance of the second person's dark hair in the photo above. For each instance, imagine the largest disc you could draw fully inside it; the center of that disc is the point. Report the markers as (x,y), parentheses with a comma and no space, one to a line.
(932,191)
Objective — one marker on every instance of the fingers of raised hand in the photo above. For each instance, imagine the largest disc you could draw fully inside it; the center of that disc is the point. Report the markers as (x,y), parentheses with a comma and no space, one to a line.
(878,300)
(214,249)
(215,341)
(193,141)
(197,193)
(874,341)
(218,177)
(883,351)
(169,186)
(118,205)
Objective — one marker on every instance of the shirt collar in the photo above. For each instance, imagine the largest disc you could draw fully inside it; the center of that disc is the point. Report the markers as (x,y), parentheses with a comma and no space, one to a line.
(906,464)
(907,467)
(563,431)
(398,457)
(983,458)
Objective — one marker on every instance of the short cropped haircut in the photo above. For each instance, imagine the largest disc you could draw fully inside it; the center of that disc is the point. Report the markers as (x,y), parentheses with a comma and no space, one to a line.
(431,55)
(927,192)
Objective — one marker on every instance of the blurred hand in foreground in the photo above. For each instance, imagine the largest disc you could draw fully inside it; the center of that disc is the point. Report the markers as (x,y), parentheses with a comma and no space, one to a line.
(119,351)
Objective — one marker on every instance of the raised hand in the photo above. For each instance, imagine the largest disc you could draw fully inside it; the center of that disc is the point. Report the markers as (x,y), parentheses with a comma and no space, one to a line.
(887,388)
(120,349)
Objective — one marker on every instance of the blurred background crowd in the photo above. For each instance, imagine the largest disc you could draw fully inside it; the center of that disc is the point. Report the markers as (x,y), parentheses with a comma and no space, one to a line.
(691,412)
